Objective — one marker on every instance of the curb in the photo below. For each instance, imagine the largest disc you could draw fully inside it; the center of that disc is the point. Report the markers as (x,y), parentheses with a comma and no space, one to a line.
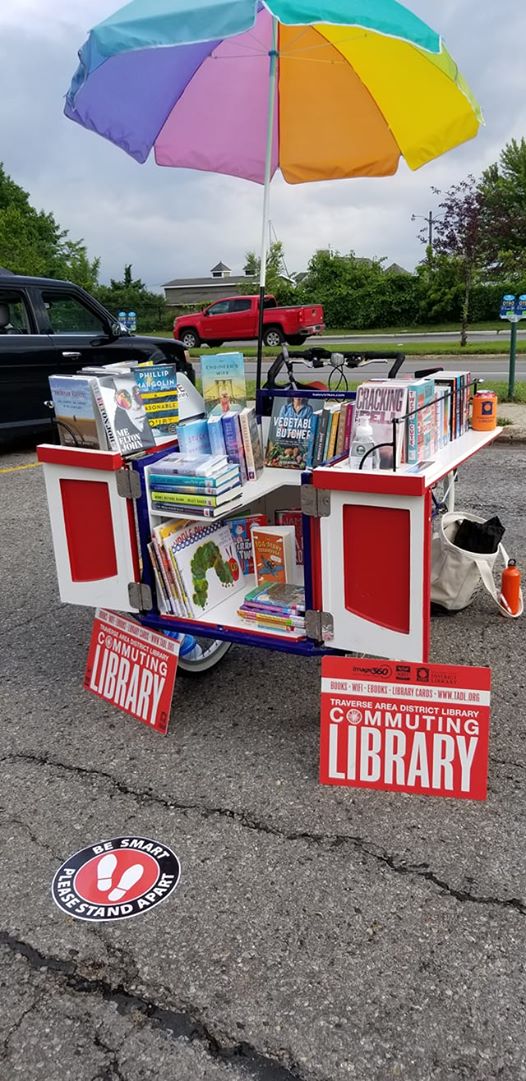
(517,437)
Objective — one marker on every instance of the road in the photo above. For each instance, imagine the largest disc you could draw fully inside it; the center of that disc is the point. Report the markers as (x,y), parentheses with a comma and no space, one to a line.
(489,367)
(317,934)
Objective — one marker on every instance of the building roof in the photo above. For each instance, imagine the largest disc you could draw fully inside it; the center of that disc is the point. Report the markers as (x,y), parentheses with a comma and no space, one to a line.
(395,268)
(214,283)
(220,266)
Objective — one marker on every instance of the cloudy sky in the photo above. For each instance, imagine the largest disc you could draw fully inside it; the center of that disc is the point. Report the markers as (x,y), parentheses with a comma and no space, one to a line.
(172,223)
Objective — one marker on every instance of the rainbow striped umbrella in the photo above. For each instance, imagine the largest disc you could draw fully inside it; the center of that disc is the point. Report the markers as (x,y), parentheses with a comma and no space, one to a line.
(321,89)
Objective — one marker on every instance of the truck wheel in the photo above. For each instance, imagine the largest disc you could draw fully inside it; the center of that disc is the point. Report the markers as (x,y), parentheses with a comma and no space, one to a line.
(273,337)
(190,339)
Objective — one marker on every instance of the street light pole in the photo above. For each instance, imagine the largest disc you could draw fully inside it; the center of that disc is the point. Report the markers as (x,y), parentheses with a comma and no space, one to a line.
(430,222)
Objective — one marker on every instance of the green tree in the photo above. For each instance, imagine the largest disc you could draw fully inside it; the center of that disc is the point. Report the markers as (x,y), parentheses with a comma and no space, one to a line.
(277,282)
(503,188)
(32,242)
(130,294)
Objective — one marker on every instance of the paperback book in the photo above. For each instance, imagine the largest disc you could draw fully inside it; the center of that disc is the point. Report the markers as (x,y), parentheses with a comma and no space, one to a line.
(157,385)
(223,381)
(193,437)
(199,467)
(251,436)
(234,442)
(292,433)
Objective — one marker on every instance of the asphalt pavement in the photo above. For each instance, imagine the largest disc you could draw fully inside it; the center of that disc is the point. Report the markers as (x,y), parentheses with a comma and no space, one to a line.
(483,367)
(317,934)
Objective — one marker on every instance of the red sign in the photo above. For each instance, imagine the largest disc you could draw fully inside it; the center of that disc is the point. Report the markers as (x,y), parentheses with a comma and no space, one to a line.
(420,729)
(132,668)
(115,880)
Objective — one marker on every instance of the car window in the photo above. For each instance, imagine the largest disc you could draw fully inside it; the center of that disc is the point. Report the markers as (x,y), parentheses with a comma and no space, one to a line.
(220,308)
(14,316)
(240,305)
(68,315)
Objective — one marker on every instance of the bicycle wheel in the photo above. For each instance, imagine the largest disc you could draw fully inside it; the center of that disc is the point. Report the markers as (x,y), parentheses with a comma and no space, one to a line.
(198,655)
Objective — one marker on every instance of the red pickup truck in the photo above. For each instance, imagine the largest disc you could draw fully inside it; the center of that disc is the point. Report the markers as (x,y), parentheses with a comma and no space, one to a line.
(236,319)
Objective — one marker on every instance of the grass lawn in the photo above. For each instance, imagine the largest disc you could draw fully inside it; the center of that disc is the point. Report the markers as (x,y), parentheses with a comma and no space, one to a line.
(411,349)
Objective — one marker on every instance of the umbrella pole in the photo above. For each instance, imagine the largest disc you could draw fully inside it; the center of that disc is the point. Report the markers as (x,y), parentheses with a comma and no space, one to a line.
(273,73)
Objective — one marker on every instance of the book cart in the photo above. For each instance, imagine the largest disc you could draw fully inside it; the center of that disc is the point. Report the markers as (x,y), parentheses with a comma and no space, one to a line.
(367,545)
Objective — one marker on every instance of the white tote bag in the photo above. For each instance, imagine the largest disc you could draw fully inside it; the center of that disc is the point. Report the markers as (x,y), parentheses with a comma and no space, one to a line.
(456,573)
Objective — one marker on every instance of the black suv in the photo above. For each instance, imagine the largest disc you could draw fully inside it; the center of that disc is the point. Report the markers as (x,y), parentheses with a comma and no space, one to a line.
(50,327)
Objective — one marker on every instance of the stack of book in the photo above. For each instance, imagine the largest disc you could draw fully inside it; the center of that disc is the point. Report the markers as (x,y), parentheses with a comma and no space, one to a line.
(195,484)
(305,432)
(279,606)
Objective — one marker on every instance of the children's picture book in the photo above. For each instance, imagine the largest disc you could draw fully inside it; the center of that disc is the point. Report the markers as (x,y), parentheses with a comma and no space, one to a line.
(285,597)
(79,422)
(252,446)
(241,530)
(274,553)
(292,433)
(382,401)
(123,413)
(157,384)
(207,565)
(193,437)
(293,518)
(224,383)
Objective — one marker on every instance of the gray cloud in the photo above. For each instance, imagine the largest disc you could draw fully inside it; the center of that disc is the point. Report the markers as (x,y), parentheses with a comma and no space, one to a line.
(170,222)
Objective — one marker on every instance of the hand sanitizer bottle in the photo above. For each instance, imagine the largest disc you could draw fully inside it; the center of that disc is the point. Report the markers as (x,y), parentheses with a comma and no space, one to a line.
(363,441)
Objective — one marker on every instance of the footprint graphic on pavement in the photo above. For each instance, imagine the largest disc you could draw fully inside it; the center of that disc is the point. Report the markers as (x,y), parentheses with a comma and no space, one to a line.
(130,877)
(105,869)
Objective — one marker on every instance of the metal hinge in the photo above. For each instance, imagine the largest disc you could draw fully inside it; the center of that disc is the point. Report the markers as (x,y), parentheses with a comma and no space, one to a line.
(140,596)
(319,625)
(128,484)
(315,501)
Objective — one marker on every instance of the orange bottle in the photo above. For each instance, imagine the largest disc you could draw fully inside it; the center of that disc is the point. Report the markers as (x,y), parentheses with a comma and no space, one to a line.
(484,411)
(511,587)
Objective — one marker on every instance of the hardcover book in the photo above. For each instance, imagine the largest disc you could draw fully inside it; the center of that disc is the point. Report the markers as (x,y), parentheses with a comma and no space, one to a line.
(224,384)
(234,442)
(292,433)
(250,433)
(157,385)
(193,437)
(123,413)
(199,467)
(273,552)
(215,435)
(78,418)
(241,530)
(383,401)
(207,565)
(293,518)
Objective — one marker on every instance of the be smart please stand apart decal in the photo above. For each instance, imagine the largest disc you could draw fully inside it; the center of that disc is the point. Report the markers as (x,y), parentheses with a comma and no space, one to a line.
(116,879)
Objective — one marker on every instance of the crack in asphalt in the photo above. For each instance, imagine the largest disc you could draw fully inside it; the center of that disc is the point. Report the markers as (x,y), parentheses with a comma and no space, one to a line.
(399,866)
(11,820)
(178,1023)
(14,1028)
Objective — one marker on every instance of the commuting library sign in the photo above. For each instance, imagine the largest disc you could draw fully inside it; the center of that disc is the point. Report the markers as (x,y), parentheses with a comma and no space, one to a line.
(132,668)
(419,729)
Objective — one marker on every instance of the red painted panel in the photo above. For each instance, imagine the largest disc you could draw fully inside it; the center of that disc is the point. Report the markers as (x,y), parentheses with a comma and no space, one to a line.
(79,457)
(89,529)
(377,557)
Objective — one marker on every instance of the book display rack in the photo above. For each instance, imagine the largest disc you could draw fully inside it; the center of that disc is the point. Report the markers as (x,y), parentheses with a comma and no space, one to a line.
(366,542)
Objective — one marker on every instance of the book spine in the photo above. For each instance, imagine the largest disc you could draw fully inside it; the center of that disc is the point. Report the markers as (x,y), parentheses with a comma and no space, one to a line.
(348,428)
(335,420)
(108,429)
(188,489)
(169,580)
(216,437)
(234,443)
(182,509)
(182,500)
(412,426)
(185,479)
(160,586)
(340,439)
(317,458)
(247,446)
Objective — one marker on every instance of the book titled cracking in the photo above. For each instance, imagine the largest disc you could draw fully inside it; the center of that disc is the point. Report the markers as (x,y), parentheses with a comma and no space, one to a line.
(292,433)
(383,401)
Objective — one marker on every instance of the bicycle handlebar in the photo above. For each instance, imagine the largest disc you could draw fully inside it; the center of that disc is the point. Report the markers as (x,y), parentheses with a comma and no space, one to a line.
(317,356)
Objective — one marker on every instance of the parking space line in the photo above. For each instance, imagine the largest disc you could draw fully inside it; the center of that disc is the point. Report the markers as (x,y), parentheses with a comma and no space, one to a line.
(16,468)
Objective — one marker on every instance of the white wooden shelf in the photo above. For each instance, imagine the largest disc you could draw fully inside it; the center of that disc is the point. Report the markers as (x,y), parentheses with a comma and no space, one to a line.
(225,615)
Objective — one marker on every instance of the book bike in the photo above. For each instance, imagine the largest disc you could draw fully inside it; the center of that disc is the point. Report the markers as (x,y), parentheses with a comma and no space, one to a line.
(201,651)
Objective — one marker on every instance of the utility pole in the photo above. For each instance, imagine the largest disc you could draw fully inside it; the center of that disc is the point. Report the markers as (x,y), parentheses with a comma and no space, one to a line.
(430,221)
